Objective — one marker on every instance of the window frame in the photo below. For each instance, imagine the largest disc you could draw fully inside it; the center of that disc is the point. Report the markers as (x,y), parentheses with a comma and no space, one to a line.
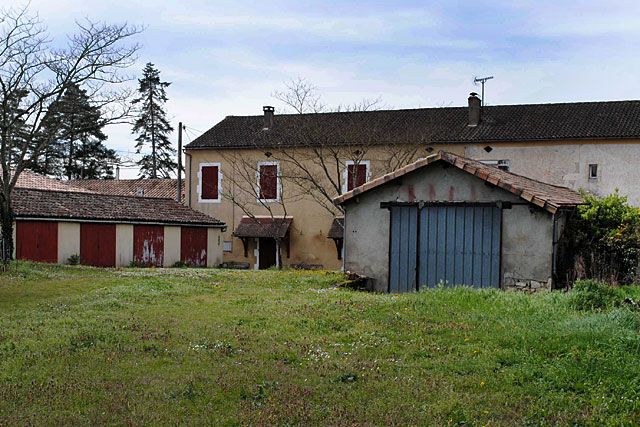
(590,176)
(278,182)
(199,187)
(345,181)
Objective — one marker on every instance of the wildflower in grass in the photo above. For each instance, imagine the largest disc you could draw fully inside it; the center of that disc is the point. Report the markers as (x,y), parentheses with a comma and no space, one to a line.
(482,384)
(466,339)
(485,412)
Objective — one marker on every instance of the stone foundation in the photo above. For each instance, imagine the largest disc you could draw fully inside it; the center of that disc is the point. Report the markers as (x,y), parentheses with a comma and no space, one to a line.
(513,283)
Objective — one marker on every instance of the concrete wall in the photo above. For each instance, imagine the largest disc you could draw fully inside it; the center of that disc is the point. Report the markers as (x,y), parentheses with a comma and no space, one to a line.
(124,245)
(171,245)
(68,240)
(214,247)
(527,237)
(567,164)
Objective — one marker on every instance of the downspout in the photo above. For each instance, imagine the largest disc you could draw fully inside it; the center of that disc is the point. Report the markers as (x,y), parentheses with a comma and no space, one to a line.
(555,247)
(189,198)
(344,238)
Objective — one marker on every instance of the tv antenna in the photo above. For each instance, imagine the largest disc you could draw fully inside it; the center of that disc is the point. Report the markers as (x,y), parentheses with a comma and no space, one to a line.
(482,81)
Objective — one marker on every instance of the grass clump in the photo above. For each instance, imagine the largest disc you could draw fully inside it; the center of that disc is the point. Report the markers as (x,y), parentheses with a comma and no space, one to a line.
(593,295)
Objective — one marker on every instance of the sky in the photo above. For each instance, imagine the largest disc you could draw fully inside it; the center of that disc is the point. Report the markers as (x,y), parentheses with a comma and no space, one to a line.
(227,58)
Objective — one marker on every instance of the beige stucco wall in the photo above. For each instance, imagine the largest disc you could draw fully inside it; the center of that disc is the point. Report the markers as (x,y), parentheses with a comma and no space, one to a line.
(214,247)
(171,245)
(68,240)
(567,164)
(527,238)
(124,245)
(311,221)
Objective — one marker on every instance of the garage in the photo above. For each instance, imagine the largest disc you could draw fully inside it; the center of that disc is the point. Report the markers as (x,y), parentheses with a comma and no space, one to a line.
(37,241)
(193,246)
(452,221)
(98,244)
(148,245)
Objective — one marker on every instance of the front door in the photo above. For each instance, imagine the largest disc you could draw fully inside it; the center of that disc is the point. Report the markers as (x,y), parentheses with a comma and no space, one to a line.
(267,256)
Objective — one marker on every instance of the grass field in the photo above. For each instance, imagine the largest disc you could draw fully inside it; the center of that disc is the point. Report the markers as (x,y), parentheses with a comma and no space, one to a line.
(185,346)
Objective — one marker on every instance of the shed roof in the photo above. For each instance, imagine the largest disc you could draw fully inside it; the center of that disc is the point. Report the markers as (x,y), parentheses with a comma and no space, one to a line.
(547,196)
(263,227)
(500,123)
(28,179)
(32,203)
(337,229)
(163,188)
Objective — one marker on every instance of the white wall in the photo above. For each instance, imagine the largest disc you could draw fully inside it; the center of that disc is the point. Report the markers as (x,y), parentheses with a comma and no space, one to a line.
(68,240)
(171,245)
(124,245)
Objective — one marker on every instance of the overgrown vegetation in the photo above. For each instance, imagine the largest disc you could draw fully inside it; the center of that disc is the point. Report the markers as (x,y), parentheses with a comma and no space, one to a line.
(80,345)
(603,240)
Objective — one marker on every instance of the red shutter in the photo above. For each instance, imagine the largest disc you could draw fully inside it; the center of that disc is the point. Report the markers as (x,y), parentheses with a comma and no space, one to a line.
(268,182)
(209,183)
(360,178)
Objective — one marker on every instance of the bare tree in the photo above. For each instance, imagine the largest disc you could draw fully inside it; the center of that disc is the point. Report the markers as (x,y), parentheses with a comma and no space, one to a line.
(37,74)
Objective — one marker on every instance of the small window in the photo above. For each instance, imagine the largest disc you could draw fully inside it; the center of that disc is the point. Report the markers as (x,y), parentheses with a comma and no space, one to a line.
(268,181)
(593,171)
(500,164)
(227,246)
(209,183)
(356,174)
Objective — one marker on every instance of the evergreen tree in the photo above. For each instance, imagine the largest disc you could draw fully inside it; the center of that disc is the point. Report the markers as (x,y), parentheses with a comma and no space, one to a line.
(153,128)
(76,149)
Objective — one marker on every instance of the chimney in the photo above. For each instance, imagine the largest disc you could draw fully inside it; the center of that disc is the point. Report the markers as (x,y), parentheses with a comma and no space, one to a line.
(474,110)
(117,173)
(268,116)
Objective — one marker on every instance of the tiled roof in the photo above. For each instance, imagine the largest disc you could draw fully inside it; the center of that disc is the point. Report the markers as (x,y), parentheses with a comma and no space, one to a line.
(263,227)
(28,179)
(547,196)
(337,229)
(533,122)
(156,188)
(30,203)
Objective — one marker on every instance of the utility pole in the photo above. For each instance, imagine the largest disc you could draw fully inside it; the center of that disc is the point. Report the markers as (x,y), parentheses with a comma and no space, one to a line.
(481,80)
(179,162)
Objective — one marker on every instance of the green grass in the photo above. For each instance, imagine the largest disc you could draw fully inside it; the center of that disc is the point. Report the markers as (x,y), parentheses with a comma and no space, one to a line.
(185,346)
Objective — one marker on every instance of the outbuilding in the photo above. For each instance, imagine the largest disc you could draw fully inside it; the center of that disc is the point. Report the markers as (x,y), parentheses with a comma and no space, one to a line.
(452,220)
(112,231)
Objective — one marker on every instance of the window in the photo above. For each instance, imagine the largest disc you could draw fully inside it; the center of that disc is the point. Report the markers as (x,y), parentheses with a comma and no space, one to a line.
(227,246)
(209,178)
(268,181)
(500,164)
(593,171)
(355,176)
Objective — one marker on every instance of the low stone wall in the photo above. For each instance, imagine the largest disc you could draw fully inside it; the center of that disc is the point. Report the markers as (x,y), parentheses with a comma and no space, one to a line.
(513,283)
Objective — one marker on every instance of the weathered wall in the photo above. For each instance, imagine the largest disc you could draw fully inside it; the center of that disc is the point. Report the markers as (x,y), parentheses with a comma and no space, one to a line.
(214,247)
(527,236)
(171,245)
(68,240)
(309,242)
(567,164)
(124,245)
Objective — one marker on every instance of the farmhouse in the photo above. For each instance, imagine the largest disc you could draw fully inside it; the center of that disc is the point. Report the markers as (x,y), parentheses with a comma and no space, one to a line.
(449,219)
(55,221)
(293,165)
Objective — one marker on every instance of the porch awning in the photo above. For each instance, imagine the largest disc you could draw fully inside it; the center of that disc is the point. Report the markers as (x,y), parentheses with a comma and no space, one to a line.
(263,227)
(337,229)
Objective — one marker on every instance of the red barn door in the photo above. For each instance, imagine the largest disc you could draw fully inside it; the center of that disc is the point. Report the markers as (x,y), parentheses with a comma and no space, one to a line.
(193,246)
(37,241)
(148,245)
(98,244)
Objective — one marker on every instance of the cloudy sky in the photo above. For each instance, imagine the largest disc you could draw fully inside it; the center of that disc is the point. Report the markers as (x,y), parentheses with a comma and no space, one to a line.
(227,58)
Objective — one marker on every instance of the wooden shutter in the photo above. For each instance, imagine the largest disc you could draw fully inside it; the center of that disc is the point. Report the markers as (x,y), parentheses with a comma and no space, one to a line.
(268,182)
(209,183)
(360,177)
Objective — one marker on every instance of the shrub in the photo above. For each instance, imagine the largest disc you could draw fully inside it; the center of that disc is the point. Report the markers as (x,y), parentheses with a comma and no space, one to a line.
(73,259)
(179,264)
(592,295)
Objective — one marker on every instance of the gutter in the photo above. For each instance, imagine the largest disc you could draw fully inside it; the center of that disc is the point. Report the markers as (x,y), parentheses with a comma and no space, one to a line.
(120,221)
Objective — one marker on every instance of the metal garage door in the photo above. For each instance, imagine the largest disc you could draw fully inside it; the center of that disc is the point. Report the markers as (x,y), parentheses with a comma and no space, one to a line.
(193,246)
(453,245)
(37,241)
(98,244)
(148,245)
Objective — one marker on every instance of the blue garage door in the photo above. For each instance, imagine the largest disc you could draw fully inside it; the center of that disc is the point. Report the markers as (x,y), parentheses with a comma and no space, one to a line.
(452,245)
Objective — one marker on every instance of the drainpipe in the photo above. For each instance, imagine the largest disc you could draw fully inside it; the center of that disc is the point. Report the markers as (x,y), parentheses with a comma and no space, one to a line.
(555,246)
(344,238)
(189,178)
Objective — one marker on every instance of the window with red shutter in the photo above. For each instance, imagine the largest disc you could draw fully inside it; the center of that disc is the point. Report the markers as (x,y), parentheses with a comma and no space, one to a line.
(356,178)
(268,174)
(210,182)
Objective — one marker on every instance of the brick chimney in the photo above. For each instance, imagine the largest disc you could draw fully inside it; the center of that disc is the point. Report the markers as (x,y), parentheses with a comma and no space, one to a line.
(475,110)
(268,116)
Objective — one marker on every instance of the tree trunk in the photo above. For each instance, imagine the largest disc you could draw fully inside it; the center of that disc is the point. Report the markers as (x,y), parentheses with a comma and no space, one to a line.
(153,134)
(6,222)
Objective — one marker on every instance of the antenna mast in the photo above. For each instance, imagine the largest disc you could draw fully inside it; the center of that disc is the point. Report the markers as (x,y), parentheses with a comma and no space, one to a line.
(481,80)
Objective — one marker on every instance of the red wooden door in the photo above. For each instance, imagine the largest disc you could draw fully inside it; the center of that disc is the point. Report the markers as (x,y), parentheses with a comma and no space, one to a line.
(193,246)
(37,241)
(98,244)
(148,245)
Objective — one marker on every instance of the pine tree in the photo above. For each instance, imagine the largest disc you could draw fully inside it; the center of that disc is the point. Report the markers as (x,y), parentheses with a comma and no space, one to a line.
(153,128)
(76,149)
